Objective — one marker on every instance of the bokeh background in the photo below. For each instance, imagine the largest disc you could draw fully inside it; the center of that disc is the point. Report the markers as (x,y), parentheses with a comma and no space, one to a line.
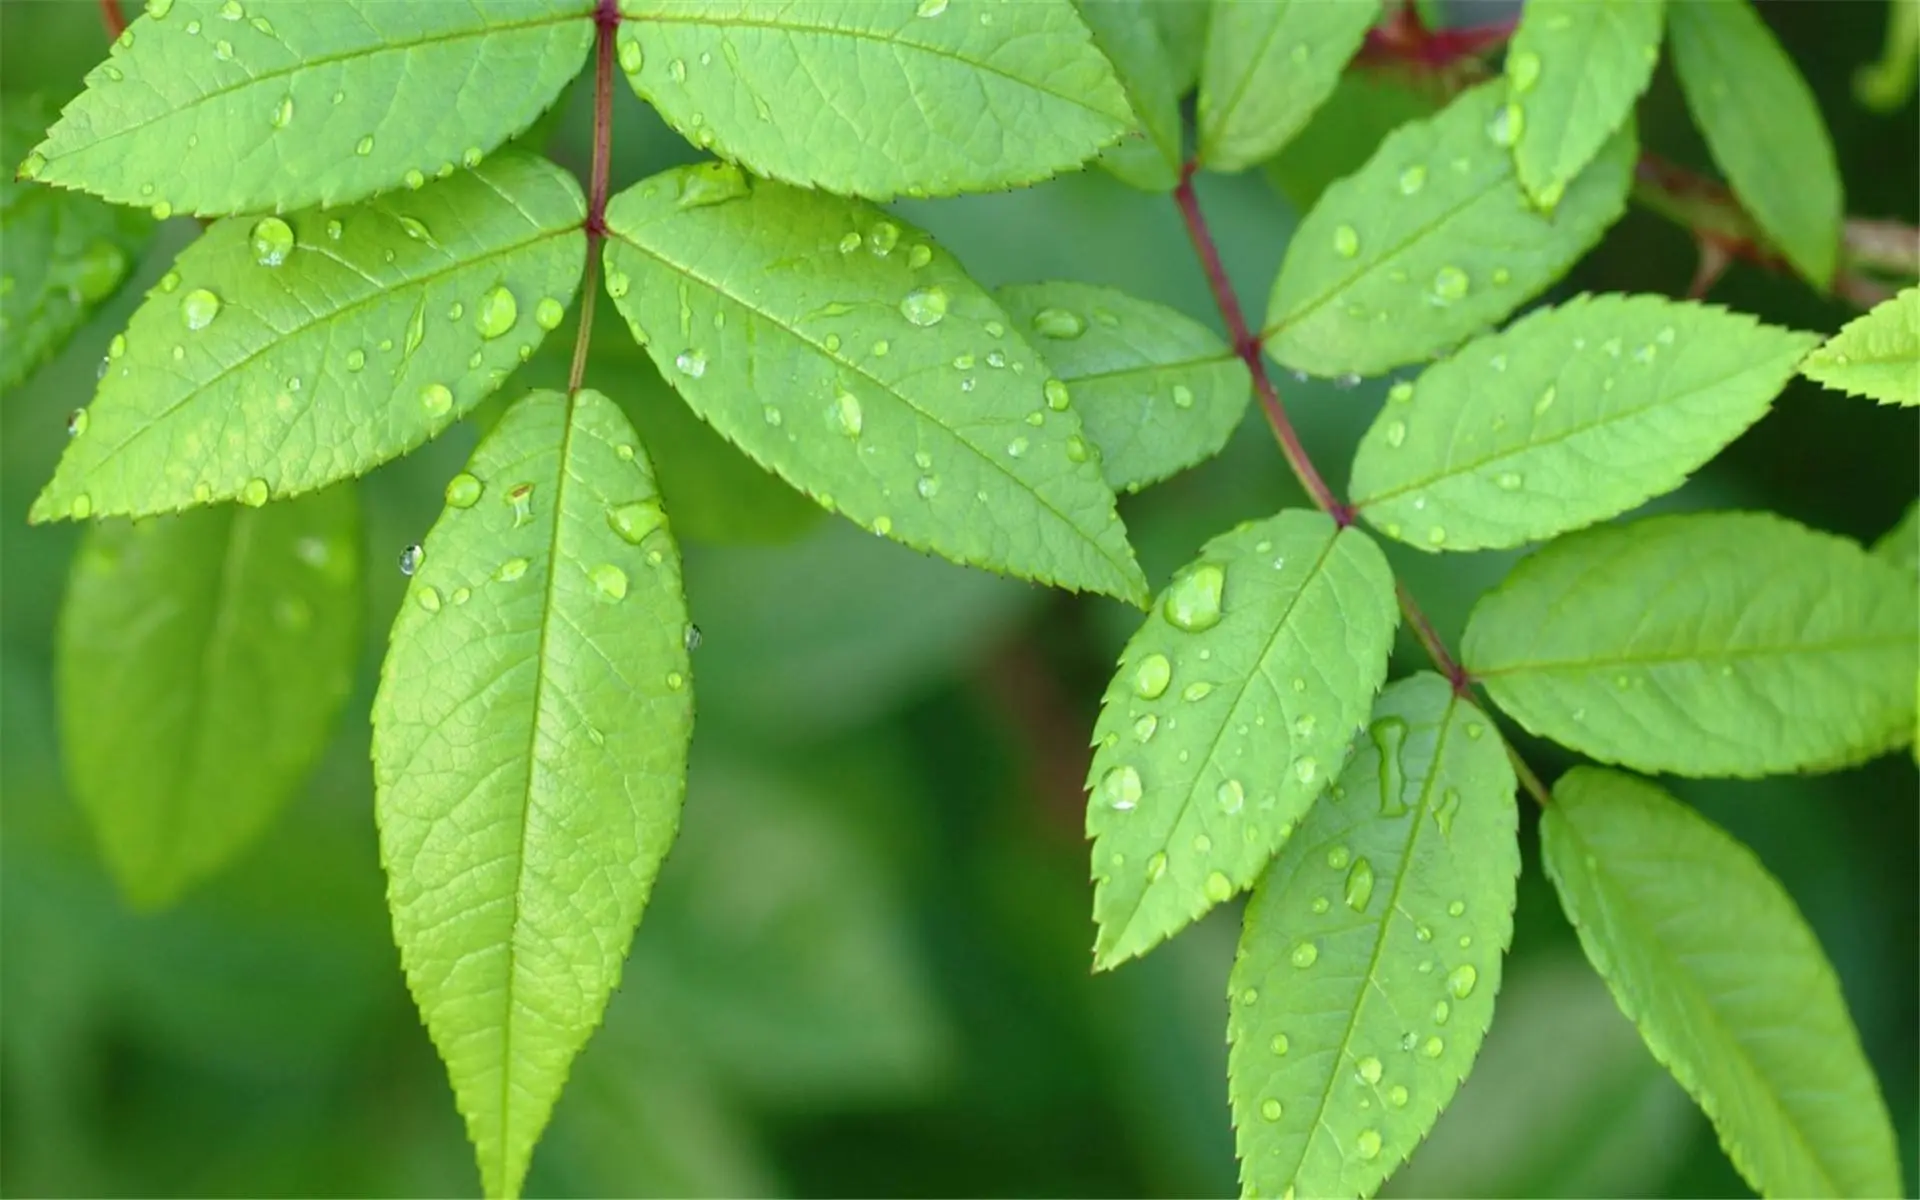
(866,969)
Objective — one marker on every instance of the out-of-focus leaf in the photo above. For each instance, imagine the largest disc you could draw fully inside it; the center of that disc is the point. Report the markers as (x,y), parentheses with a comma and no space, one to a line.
(1125,31)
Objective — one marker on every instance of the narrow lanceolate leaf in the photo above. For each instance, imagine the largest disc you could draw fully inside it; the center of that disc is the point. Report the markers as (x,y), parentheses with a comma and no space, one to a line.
(202,660)
(1570,416)
(1232,710)
(1370,953)
(1156,392)
(854,358)
(1126,32)
(1430,242)
(1268,65)
(1574,70)
(1763,127)
(1707,954)
(281,355)
(1876,355)
(529,749)
(878,97)
(1723,644)
(213,107)
(60,255)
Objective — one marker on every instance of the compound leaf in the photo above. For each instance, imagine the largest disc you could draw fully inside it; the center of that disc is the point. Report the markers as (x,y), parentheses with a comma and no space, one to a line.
(854,358)
(1876,355)
(1574,70)
(1707,954)
(1231,711)
(281,356)
(1570,416)
(1430,242)
(1126,32)
(203,109)
(1762,126)
(1269,64)
(529,751)
(61,255)
(1370,952)
(1713,644)
(879,97)
(1156,392)
(202,660)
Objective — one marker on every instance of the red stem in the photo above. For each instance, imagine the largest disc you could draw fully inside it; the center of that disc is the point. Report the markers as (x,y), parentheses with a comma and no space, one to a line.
(113,18)
(606,21)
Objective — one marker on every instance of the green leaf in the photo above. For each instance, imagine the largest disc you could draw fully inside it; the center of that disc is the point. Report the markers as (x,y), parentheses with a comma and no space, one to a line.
(1876,355)
(1900,546)
(529,750)
(1231,711)
(1574,70)
(1156,392)
(1370,952)
(1707,954)
(1183,31)
(879,97)
(202,660)
(1763,127)
(202,109)
(855,359)
(379,326)
(1269,64)
(1568,417)
(61,256)
(1716,644)
(1430,242)
(1365,107)
(1125,31)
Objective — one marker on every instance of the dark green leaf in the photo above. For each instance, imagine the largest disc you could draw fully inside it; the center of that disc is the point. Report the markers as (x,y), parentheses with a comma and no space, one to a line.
(1269,64)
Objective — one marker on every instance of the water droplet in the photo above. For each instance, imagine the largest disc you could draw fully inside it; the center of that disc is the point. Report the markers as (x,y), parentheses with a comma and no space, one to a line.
(1412,180)
(1057,395)
(880,348)
(882,238)
(919,257)
(356,359)
(223,50)
(76,422)
(1550,195)
(1231,796)
(1279,1044)
(1444,811)
(634,522)
(158,9)
(618,284)
(198,308)
(1441,1012)
(1305,955)
(995,359)
(1156,867)
(1271,1109)
(414,180)
(272,241)
(1151,677)
(1389,734)
(497,312)
(1144,727)
(1433,1048)
(1198,690)
(1368,1069)
(463,490)
(283,113)
(1545,401)
(1461,981)
(411,558)
(1346,241)
(925,306)
(1396,433)
(931,8)
(429,599)
(610,580)
(675,680)
(1059,323)
(1368,1143)
(1360,885)
(1508,481)
(1423,932)
(1397,1096)
(846,413)
(436,399)
(1219,887)
(511,570)
(631,58)
(1507,124)
(1523,71)
(1193,602)
(1120,788)
(691,362)
(364,146)
(1449,284)
(1016,447)
(1437,535)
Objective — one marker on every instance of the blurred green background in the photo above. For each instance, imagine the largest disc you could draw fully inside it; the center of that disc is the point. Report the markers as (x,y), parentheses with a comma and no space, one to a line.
(866,968)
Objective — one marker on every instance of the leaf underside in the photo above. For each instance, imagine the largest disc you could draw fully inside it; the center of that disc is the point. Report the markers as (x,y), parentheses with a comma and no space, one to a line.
(1876,355)
(1715,644)
(1213,739)
(873,98)
(1574,70)
(208,111)
(1431,241)
(202,660)
(1370,953)
(1568,417)
(1268,65)
(380,325)
(1707,954)
(529,751)
(844,351)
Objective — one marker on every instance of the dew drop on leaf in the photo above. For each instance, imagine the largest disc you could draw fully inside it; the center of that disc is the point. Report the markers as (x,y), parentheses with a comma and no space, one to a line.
(198,308)
(1143,728)
(497,313)
(883,237)
(1156,867)
(631,58)
(689,362)
(1231,796)
(1389,735)
(272,241)
(283,113)
(1059,324)
(1305,955)
(1397,1096)
(928,486)
(1016,447)
(1193,602)
(1523,71)
(430,599)
(1182,396)
(411,558)
(549,313)
(1507,123)
(1150,679)
(1412,180)
(1279,1044)
(436,399)
(1368,1143)
(520,496)
(414,180)
(1461,981)
(1219,887)
(1368,1069)
(1396,433)
(1346,241)
(1120,788)
(610,581)
(925,306)
(1271,1109)
(464,490)
(1449,284)
(511,570)
(635,522)
(356,359)
(76,422)
(364,146)
(1360,885)
(847,414)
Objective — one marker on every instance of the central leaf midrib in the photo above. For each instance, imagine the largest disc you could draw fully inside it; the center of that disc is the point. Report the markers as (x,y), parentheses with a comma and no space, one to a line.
(886,388)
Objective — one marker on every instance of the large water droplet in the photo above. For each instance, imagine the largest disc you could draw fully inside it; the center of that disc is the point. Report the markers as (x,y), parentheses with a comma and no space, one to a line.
(437,399)
(255,493)
(1151,677)
(283,113)
(631,56)
(635,522)
(1193,602)
(1058,398)
(1523,71)
(1143,728)
(931,8)
(1449,284)
(1059,323)
(1368,1143)
(1443,812)
(925,306)
(1389,734)
(511,570)
(272,241)
(429,599)
(610,580)
(198,308)
(1369,1069)
(1120,788)
(691,362)
(1231,795)
(464,490)
(1219,887)
(1360,885)
(846,413)
(497,312)
(882,238)
(1461,981)
(1346,241)
(1271,1109)
(1305,955)
(411,558)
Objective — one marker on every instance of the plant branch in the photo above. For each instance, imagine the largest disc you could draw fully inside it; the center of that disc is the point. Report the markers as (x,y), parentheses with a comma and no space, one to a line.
(606,22)
(113,18)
